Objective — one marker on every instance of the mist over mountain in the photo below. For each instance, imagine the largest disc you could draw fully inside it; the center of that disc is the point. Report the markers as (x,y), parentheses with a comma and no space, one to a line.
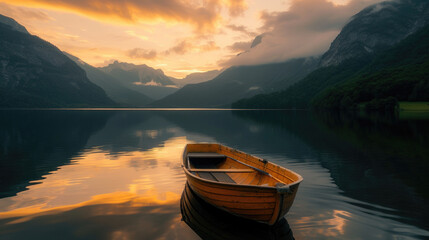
(142,78)
(239,82)
(196,78)
(305,28)
(112,86)
(370,32)
(35,73)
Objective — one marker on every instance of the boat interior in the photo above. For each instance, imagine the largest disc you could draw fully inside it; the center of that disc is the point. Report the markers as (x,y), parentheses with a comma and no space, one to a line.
(220,168)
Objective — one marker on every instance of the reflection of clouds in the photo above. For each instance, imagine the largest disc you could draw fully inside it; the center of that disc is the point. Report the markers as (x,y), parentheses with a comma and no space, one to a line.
(173,130)
(134,196)
(143,163)
(139,133)
(152,133)
(155,171)
(107,216)
(130,200)
(331,224)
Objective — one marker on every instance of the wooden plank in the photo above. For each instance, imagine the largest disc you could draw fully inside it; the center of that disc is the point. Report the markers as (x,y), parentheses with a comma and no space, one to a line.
(232,187)
(205,155)
(237,205)
(244,199)
(222,177)
(231,192)
(207,175)
(221,170)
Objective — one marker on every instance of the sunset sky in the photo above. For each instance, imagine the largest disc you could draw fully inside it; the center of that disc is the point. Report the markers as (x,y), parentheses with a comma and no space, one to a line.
(181,37)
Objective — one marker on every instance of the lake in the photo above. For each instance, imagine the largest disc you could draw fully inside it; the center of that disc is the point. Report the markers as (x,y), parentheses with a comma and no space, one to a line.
(116,174)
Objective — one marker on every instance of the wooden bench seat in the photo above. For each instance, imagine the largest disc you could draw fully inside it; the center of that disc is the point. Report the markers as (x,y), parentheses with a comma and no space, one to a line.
(216,176)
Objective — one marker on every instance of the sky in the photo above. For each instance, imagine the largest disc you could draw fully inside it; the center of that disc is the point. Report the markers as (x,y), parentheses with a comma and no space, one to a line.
(181,37)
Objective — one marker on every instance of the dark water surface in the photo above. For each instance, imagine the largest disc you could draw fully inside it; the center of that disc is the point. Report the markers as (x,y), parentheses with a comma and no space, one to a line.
(109,174)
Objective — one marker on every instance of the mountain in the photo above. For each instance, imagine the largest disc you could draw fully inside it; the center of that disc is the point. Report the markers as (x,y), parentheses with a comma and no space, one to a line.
(14,25)
(35,73)
(142,78)
(401,73)
(369,33)
(239,82)
(377,28)
(114,89)
(196,78)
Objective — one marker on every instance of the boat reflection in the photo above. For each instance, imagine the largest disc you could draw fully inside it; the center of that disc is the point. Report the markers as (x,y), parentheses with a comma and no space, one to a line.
(212,223)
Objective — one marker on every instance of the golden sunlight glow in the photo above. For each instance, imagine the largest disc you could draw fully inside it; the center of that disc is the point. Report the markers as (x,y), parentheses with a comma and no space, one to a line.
(137,178)
(180,37)
(133,201)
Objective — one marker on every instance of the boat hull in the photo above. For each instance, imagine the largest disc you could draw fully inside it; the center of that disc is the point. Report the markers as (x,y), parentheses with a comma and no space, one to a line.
(263,204)
(211,223)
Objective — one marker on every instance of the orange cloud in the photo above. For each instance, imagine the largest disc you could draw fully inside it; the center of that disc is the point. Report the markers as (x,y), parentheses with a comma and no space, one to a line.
(209,46)
(236,7)
(239,47)
(181,48)
(140,53)
(23,13)
(203,16)
(241,28)
(186,46)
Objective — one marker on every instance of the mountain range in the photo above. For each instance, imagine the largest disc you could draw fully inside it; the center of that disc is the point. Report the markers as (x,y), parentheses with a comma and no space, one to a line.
(117,91)
(196,78)
(369,33)
(240,82)
(399,74)
(35,73)
(142,78)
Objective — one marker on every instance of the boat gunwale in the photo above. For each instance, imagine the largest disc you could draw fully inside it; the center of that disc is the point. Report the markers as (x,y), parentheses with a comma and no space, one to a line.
(286,186)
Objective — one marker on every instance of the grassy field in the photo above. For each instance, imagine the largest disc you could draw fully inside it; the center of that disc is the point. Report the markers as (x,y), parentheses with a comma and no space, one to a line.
(414,106)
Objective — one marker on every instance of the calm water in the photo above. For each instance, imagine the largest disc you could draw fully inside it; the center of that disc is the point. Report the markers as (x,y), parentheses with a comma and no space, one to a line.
(117,174)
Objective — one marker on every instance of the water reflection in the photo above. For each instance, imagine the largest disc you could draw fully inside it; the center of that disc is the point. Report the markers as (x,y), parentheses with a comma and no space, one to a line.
(156,172)
(117,215)
(211,223)
(107,174)
(34,143)
(378,160)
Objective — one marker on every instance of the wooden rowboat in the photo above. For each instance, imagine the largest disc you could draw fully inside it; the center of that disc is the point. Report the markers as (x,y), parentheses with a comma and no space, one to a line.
(239,183)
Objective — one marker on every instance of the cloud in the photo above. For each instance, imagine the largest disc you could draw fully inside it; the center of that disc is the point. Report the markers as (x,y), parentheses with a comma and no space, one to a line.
(241,28)
(203,15)
(140,53)
(306,29)
(236,7)
(181,48)
(21,13)
(133,34)
(189,45)
(207,47)
(240,47)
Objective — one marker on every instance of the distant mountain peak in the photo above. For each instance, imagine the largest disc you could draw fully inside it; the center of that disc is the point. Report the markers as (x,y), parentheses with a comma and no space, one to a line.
(256,41)
(12,23)
(130,66)
(197,77)
(147,80)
